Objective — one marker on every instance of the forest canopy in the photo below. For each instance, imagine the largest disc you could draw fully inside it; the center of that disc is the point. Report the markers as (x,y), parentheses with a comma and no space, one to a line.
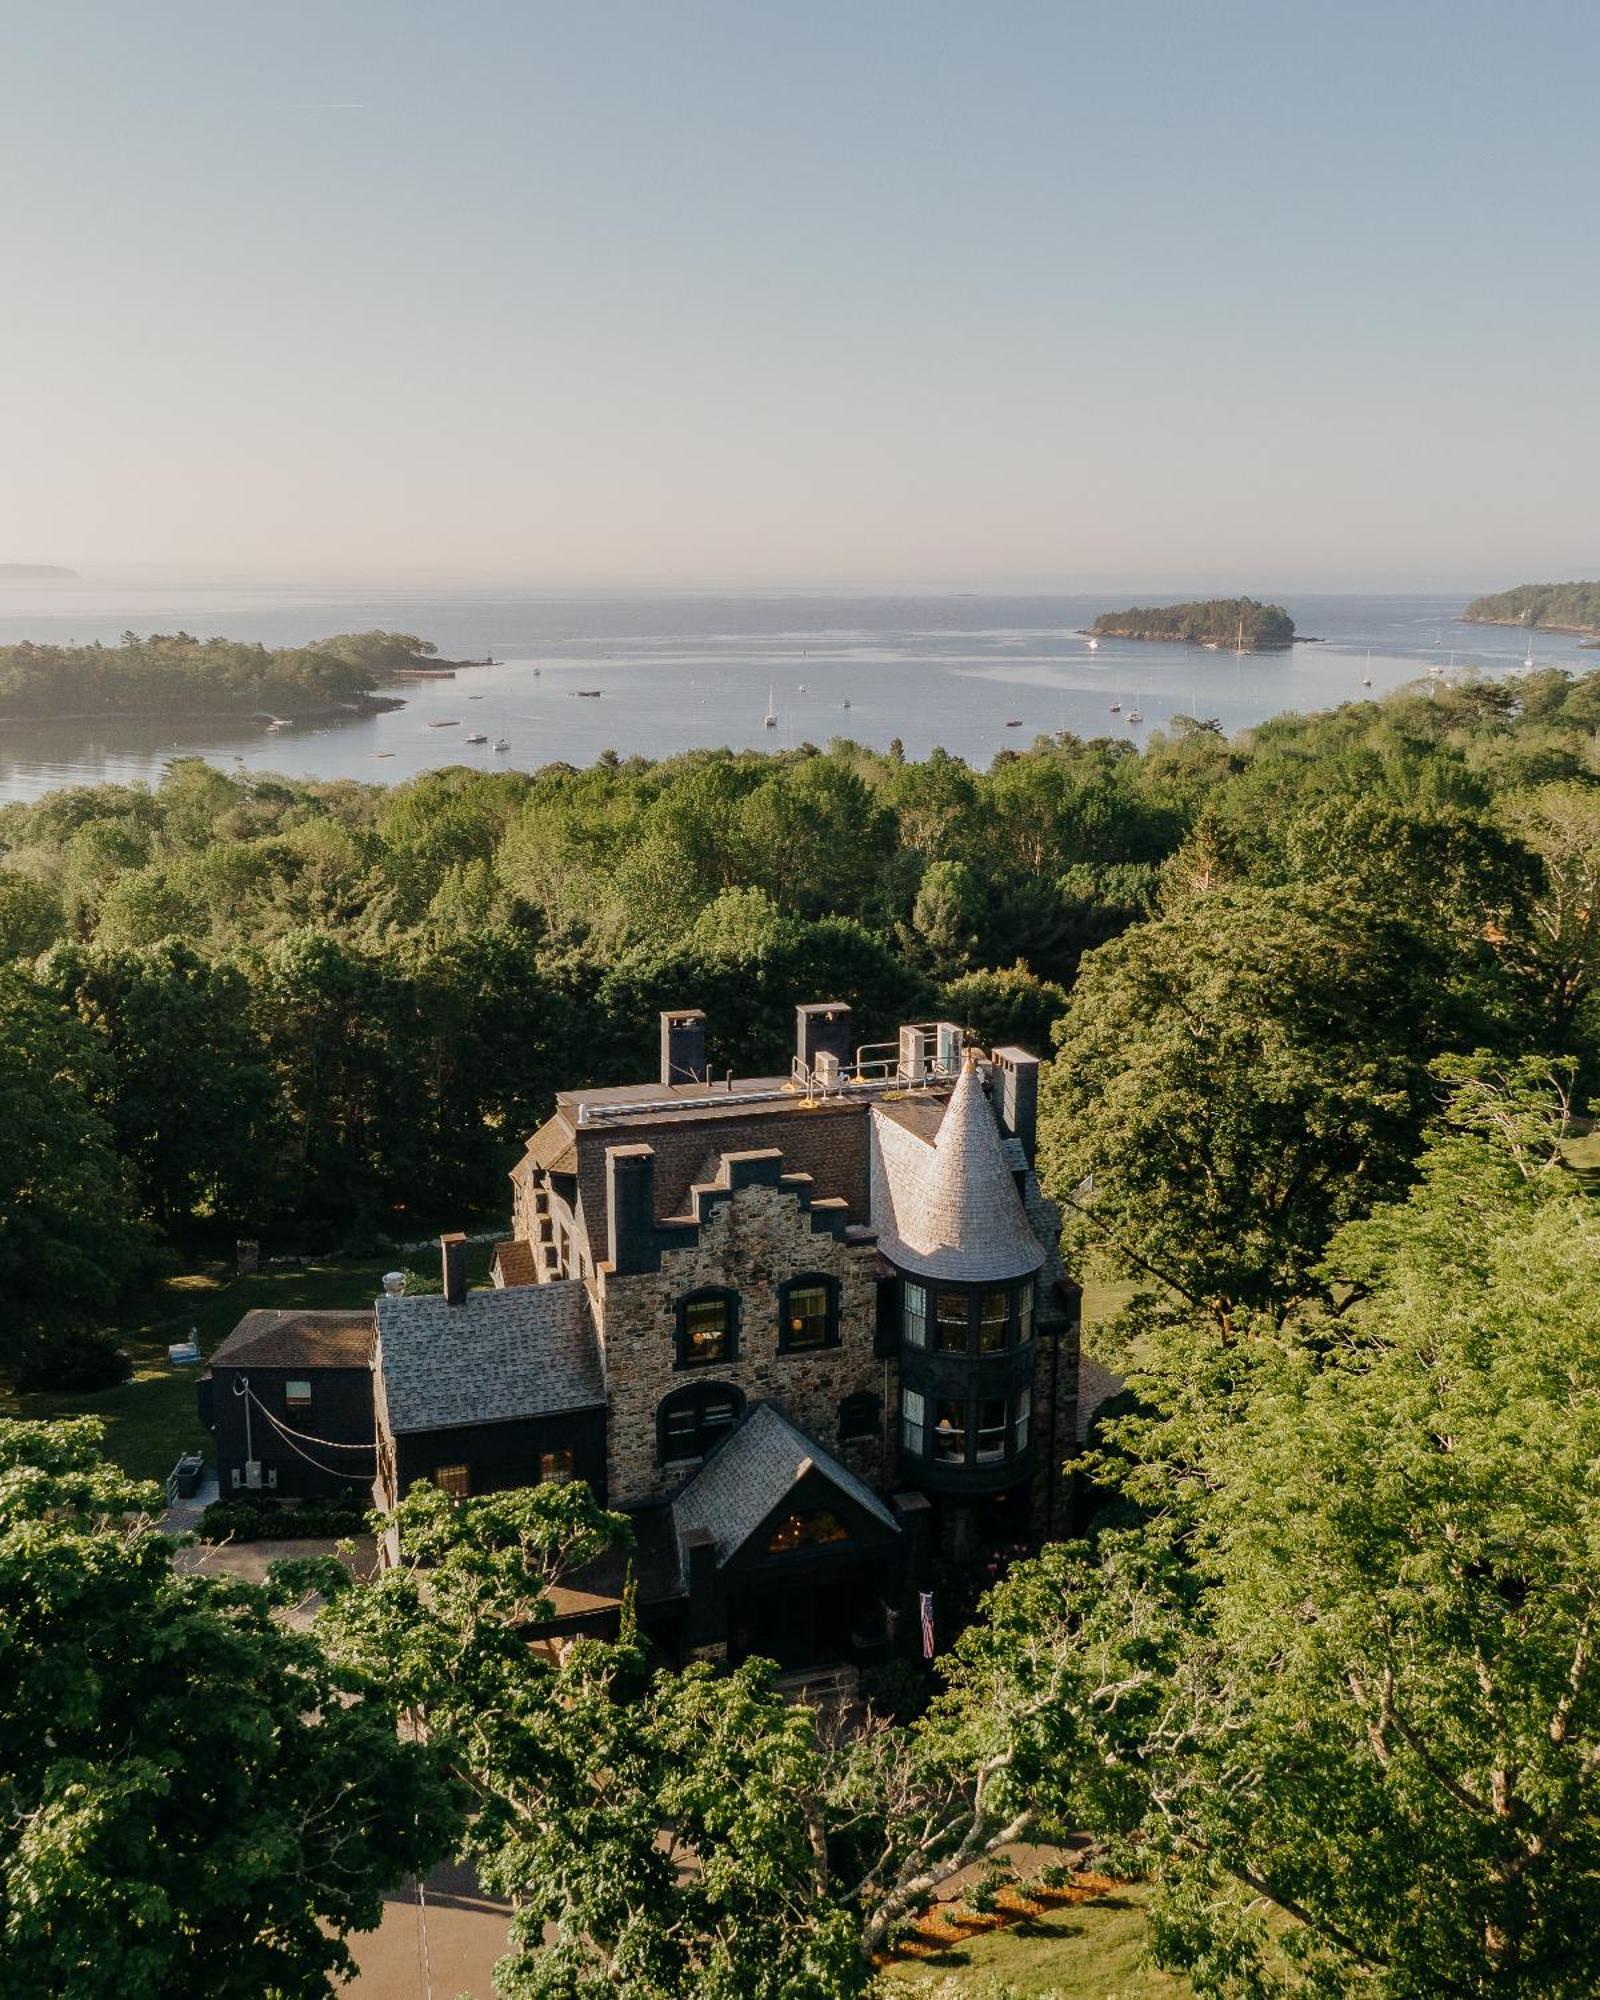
(1558,607)
(1219,621)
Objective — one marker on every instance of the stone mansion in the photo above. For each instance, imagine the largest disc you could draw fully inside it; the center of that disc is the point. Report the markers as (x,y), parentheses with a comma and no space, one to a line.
(804,1329)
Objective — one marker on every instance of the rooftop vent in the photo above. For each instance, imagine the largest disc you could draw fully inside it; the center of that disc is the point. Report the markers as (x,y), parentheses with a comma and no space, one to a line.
(394,1284)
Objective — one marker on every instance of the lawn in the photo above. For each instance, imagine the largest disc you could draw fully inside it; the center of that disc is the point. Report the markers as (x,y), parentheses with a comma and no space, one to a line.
(151,1420)
(1080,1951)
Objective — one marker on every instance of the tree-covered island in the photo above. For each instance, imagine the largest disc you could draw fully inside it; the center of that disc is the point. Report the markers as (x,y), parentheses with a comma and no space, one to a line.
(177,674)
(1219,621)
(1557,607)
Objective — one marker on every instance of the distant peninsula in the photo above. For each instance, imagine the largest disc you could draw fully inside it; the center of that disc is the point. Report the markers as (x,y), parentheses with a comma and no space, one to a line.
(34,572)
(1557,607)
(1219,621)
(176,674)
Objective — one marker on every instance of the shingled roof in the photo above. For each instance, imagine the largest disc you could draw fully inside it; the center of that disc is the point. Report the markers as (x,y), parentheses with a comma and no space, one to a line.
(269,1338)
(749,1475)
(525,1351)
(951,1209)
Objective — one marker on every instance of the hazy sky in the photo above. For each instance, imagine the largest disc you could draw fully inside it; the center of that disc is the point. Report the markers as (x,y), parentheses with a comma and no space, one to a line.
(1302,292)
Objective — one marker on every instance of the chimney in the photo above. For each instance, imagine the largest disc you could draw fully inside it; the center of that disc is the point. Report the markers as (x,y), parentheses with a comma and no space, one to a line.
(683,1046)
(1016,1077)
(453,1252)
(822,1028)
(631,1209)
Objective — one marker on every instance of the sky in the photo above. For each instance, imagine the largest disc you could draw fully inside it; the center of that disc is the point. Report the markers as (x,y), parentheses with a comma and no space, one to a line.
(803,291)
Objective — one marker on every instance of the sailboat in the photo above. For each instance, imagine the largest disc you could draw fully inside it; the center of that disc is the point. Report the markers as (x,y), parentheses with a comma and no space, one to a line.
(1238,644)
(1367,682)
(1134,714)
(770,720)
(1527,658)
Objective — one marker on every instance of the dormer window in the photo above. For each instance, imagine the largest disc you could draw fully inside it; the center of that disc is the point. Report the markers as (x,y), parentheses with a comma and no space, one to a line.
(808,1314)
(708,1327)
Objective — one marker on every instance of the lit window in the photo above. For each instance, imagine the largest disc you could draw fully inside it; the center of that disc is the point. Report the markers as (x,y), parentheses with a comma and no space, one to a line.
(1025,1312)
(691,1421)
(806,1531)
(991,1443)
(1019,1428)
(916,1315)
(705,1329)
(453,1479)
(807,1320)
(912,1411)
(950,1323)
(994,1318)
(297,1396)
(555,1467)
(949,1433)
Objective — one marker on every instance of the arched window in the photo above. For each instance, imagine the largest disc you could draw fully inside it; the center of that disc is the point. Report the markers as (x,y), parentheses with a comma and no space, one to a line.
(708,1327)
(859,1415)
(691,1421)
(808,1313)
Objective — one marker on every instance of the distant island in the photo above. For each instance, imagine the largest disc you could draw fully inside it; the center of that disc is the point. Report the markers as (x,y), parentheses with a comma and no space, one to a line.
(33,572)
(176,674)
(1219,621)
(1557,607)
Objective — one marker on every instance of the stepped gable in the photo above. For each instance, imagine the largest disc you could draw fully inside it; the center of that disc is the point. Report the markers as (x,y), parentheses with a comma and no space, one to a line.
(950,1210)
(748,1477)
(525,1351)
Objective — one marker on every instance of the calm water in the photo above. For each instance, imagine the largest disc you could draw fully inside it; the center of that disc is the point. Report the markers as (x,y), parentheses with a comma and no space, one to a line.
(676,672)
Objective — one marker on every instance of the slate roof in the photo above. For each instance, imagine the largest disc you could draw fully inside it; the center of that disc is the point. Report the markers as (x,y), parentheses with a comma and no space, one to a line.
(525,1351)
(951,1209)
(748,1476)
(268,1338)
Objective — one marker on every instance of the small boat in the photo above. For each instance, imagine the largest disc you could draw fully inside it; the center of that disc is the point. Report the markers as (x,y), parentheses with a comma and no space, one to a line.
(1094,645)
(1116,708)
(379,755)
(1527,658)
(587,694)
(448,723)
(500,743)
(847,701)
(1135,715)
(1015,722)
(474,697)
(477,736)
(1212,645)
(1238,644)
(1367,682)
(279,722)
(770,719)
(801,689)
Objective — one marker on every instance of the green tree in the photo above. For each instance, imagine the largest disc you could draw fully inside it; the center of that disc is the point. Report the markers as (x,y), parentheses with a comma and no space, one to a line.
(195,1799)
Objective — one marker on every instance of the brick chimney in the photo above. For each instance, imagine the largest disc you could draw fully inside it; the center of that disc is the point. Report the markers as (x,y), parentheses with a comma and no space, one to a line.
(683,1045)
(453,1255)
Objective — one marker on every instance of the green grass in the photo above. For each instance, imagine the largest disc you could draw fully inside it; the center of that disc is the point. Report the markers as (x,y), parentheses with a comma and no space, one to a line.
(1080,1951)
(153,1419)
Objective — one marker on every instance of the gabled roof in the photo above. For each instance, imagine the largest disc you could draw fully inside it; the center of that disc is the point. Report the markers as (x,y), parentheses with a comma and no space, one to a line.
(267,1338)
(524,1351)
(951,1209)
(514,1262)
(552,1148)
(751,1473)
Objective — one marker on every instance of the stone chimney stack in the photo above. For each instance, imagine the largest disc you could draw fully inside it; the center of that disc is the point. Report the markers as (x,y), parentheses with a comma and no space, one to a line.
(453,1254)
(1016,1080)
(683,1045)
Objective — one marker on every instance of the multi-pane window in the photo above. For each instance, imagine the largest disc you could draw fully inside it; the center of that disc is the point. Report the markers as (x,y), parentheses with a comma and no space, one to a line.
(949,1432)
(691,1421)
(913,1413)
(1025,1312)
(706,1324)
(858,1416)
(916,1314)
(555,1467)
(297,1397)
(1019,1428)
(456,1480)
(994,1320)
(807,1319)
(991,1436)
(950,1322)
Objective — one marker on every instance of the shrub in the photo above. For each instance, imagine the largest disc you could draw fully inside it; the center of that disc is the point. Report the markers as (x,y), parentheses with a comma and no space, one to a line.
(898,1689)
(74,1363)
(253,1520)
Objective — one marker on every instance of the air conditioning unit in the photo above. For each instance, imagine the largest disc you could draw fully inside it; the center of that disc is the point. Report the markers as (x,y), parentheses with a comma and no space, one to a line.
(252,1474)
(827,1070)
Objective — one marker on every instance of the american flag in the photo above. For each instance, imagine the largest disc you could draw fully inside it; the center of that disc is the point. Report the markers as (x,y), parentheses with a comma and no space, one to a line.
(925,1606)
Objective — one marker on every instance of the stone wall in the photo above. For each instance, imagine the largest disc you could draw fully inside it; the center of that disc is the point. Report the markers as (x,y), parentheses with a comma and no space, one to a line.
(1055,1428)
(754,1242)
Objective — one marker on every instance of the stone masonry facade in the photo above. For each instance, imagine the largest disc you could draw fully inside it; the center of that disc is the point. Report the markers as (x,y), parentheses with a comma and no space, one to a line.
(752,1243)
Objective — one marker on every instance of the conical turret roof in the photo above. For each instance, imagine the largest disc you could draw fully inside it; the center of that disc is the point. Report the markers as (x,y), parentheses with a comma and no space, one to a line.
(951,1210)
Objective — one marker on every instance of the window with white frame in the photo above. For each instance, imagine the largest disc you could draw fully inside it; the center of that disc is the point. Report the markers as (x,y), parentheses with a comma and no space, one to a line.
(913,1419)
(1019,1423)
(916,1315)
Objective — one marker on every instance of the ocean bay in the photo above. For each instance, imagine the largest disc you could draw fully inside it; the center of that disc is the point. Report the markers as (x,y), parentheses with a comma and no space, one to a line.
(653,674)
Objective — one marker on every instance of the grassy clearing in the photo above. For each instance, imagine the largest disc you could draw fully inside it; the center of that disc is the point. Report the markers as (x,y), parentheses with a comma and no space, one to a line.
(152,1419)
(1088,1949)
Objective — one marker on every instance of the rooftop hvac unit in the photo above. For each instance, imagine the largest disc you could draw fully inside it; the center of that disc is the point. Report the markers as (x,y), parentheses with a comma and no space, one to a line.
(826,1071)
